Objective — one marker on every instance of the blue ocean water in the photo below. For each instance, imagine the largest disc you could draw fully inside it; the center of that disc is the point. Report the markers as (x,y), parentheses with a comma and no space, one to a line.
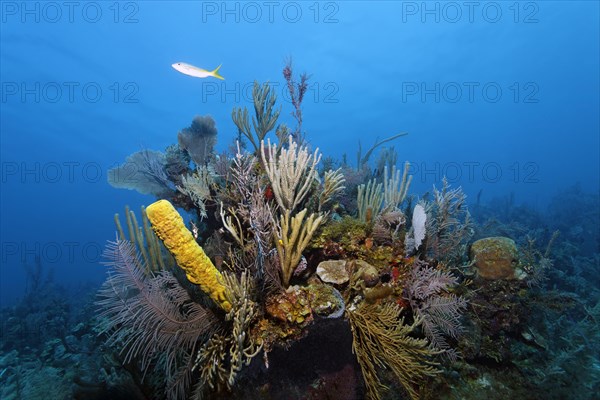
(502,98)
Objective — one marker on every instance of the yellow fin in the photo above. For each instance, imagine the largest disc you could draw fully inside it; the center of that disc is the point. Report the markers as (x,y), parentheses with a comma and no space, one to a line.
(215,73)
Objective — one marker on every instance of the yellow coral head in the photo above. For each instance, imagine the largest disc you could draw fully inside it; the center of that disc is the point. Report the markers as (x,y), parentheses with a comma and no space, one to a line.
(169,227)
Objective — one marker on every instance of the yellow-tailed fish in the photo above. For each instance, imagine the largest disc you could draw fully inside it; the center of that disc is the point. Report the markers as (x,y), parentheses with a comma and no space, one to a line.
(197,72)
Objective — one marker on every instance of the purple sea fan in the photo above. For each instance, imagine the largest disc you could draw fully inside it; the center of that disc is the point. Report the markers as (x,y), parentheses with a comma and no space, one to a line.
(440,311)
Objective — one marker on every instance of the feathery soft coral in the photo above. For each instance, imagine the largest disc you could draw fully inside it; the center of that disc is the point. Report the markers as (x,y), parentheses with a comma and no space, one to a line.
(427,291)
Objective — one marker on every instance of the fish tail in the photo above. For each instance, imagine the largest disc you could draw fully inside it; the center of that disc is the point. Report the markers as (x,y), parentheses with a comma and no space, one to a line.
(215,73)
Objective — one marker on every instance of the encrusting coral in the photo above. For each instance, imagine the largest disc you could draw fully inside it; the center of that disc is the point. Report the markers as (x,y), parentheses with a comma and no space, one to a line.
(169,227)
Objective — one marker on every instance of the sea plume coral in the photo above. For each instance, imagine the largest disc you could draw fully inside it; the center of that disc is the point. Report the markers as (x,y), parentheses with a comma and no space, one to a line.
(383,340)
(226,353)
(297,91)
(427,291)
(449,225)
(291,172)
(293,235)
(152,319)
(265,116)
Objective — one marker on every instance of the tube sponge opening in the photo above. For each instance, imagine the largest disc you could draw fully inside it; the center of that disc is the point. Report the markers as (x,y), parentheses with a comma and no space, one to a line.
(169,227)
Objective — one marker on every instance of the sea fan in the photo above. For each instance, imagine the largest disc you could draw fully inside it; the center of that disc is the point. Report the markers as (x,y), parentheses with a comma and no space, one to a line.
(143,171)
(152,318)
(427,292)
(199,139)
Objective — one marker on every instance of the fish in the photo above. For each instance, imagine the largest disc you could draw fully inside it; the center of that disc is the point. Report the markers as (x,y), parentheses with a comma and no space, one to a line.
(190,70)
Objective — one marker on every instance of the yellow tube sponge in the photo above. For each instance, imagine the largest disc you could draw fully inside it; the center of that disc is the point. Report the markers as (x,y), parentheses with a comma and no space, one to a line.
(169,227)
